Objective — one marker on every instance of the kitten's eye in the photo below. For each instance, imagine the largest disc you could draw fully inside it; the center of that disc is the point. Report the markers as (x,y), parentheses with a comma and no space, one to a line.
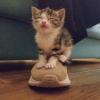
(36,21)
(53,19)
(39,17)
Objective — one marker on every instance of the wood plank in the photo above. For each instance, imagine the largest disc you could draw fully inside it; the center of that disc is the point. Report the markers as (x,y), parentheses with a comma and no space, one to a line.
(34,61)
(85,85)
(86,59)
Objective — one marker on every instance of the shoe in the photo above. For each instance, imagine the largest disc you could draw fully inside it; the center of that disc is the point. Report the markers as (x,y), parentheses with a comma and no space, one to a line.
(54,77)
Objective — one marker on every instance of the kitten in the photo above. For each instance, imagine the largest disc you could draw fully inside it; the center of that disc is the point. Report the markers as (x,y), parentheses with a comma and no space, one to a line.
(53,40)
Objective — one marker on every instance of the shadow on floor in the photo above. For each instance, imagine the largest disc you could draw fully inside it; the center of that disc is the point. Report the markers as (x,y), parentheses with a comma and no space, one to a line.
(50,90)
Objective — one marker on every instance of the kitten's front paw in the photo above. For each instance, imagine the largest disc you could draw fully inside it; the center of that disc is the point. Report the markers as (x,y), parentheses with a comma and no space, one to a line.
(50,65)
(62,58)
(40,65)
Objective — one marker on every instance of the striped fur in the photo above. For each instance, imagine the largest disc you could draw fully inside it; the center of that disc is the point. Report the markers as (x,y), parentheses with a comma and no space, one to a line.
(54,41)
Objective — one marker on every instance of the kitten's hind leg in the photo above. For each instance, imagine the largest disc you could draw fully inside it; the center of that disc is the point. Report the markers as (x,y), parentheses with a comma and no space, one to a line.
(66,56)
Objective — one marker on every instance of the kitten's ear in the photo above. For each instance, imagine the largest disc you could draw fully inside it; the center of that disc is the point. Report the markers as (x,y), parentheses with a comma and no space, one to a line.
(61,14)
(34,10)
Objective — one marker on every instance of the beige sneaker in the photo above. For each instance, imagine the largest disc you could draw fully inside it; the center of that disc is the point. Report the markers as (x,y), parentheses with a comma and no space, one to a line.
(54,77)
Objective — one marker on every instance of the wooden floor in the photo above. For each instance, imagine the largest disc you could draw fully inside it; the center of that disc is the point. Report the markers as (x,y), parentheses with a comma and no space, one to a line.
(85,79)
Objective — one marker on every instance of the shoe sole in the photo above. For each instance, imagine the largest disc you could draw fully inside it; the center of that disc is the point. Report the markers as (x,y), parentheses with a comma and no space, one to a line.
(50,81)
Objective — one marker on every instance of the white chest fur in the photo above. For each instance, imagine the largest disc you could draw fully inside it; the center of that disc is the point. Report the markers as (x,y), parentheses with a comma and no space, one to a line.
(45,42)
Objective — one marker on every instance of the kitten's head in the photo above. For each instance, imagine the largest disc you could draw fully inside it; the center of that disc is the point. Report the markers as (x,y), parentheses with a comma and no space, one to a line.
(47,20)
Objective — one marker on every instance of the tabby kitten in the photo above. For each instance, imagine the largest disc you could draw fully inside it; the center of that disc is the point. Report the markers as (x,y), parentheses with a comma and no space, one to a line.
(53,40)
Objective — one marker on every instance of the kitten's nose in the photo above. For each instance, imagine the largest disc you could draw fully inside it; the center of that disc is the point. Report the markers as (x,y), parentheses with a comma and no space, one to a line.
(43,22)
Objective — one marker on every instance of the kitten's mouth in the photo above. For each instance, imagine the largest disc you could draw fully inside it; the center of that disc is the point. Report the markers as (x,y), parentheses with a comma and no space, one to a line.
(44,26)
